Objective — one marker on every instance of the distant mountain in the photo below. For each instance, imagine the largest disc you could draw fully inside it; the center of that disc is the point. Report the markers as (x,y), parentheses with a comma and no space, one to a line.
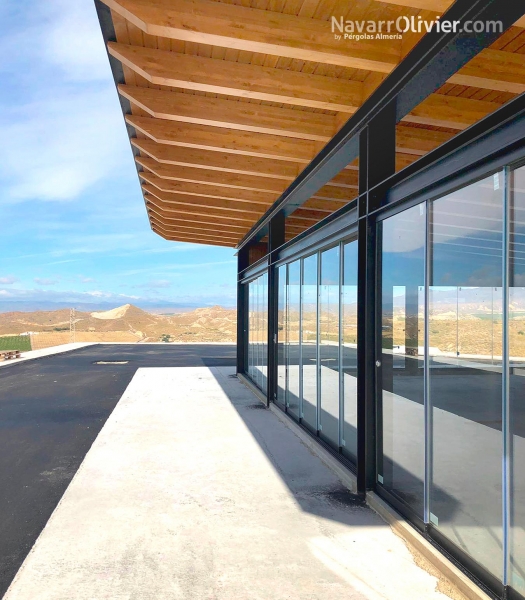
(122,323)
(36,305)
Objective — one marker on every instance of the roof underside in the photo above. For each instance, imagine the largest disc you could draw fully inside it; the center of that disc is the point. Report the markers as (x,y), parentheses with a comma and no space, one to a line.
(231,99)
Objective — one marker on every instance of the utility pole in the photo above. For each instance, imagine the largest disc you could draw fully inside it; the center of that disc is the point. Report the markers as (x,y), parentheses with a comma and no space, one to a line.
(71,325)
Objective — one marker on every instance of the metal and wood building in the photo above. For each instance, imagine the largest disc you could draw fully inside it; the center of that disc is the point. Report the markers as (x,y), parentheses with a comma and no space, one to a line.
(375,192)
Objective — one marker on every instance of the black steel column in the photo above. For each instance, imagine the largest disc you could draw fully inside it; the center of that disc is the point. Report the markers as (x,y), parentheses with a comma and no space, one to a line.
(242,311)
(275,240)
(377,157)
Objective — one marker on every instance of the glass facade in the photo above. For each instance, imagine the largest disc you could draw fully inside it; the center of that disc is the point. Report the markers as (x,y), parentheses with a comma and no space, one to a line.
(449,358)
(309,354)
(282,334)
(317,343)
(293,399)
(465,369)
(257,354)
(329,295)
(450,425)
(349,350)
(401,456)
(516,379)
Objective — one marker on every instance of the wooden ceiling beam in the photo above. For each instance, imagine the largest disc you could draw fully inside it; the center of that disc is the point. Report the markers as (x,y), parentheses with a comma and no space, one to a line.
(436,110)
(212,178)
(490,69)
(174,215)
(196,228)
(231,182)
(323,205)
(309,215)
(438,6)
(161,67)
(218,161)
(497,70)
(196,211)
(332,192)
(202,110)
(215,139)
(346,178)
(216,206)
(260,199)
(221,139)
(439,110)
(414,140)
(262,31)
(190,239)
(182,219)
(493,70)
(216,234)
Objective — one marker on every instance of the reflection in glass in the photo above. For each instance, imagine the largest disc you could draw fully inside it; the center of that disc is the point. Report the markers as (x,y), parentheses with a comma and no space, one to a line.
(349,350)
(257,354)
(282,328)
(329,346)
(517,377)
(465,383)
(264,332)
(258,332)
(250,328)
(294,322)
(309,341)
(401,459)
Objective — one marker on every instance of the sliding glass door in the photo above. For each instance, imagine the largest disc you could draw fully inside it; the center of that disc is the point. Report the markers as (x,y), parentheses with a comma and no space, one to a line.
(349,350)
(401,452)
(329,346)
(309,304)
(294,346)
(450,368)
(516,379)
(465,369)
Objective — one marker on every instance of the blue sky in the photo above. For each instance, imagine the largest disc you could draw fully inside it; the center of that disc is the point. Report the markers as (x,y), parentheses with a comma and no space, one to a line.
(73,222)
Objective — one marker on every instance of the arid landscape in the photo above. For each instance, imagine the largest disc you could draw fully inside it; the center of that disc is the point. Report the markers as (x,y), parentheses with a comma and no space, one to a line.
(126,323)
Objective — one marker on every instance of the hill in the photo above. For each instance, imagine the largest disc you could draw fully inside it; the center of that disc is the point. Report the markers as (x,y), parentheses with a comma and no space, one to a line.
(126,323)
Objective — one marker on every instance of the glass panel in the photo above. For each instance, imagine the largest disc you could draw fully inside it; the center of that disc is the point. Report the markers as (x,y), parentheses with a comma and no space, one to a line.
(294,322)
(251,332)
(517,377)
(264,332)
(281,336)
(309,341)
(329,346)
(465,386)
(349,350)
(401,460)
(257,336)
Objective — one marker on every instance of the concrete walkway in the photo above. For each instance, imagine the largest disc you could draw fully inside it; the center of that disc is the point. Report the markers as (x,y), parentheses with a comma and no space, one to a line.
(193,490)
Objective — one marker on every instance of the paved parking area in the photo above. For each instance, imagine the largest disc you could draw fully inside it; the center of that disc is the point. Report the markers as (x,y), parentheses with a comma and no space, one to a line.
(51,411)
(195,491)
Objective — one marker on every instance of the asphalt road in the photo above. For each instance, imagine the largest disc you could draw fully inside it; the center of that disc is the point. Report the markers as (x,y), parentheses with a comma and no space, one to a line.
(51,410)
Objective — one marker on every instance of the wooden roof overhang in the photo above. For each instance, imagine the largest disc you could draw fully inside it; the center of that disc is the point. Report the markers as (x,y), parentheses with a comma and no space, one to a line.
(228,101)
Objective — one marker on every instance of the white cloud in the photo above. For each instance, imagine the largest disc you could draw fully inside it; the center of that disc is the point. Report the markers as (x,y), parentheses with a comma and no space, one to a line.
(74,41)
(68,132)
(9,280)
(99,294)
(45,281)
(59,147)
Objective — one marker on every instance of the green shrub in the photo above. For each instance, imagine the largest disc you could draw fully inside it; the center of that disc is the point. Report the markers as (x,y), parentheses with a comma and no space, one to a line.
(15,342)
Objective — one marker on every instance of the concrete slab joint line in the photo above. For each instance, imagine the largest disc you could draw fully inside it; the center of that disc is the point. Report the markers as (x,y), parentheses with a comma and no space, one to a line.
(190,493)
